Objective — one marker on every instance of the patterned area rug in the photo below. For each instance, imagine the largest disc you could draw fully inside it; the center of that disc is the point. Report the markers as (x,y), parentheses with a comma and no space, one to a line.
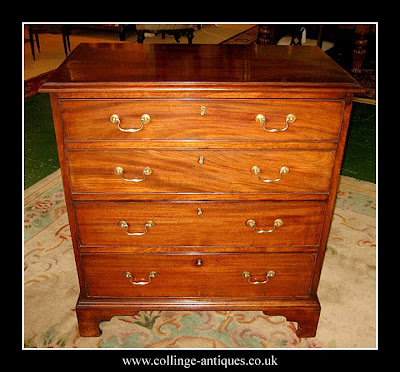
(346,292)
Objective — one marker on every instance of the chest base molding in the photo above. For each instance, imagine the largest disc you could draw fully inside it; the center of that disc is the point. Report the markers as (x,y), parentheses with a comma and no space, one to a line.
(91,312)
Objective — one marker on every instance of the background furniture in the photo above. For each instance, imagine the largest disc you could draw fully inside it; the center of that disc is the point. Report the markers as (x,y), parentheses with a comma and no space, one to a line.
(48,29)
(121,29)
(362,35)
(177,30)
(346,44)
(271,34)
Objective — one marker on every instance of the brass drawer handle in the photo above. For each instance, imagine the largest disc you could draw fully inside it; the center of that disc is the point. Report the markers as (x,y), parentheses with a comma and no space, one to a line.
(251,223)
(260,119)
(152,274)
(269,274)
(257,170)
(124,225)
(120,172)
(145,119)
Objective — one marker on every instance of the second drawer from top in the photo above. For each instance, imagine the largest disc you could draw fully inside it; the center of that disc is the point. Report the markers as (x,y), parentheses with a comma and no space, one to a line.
(200,171)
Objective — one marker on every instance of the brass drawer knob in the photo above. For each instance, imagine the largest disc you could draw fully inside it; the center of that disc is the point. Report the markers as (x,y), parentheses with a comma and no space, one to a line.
(257,170)
(252,223)
(128,275)
(115,119)
(268,275)
(124,225)
(119,171)
(290,119)
(260,119)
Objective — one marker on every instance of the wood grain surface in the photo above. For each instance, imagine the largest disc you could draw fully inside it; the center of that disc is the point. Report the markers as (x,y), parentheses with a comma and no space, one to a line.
(179,275)
(108,66)
(182,119)
(179,171)
(179,223)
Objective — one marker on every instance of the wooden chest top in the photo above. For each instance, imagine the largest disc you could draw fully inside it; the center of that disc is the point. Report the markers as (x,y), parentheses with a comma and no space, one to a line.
(133,66)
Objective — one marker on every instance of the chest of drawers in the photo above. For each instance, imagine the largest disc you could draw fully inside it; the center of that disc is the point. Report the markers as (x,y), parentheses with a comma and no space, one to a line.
(199,177)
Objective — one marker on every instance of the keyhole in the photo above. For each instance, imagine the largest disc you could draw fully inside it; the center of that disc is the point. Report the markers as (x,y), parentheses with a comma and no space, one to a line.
(201,159)
(202,110)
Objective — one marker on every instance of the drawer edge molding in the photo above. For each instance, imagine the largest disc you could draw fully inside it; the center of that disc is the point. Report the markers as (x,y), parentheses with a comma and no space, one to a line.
(76,197)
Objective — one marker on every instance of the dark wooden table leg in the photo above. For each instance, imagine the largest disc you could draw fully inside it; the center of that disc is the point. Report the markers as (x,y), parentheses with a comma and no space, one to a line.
(66,31)
(265,34)
(190,36)
(140,36)
(37,41)
(121,33)
(64,43)
(31,42)
(360,50)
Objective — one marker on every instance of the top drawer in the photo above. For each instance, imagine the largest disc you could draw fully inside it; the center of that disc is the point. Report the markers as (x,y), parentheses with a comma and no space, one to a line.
(194,119)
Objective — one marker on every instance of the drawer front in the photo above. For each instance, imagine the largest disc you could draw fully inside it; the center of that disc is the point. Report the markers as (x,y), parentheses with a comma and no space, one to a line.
(200,223)
(201,119)
(201,171)
(278,274)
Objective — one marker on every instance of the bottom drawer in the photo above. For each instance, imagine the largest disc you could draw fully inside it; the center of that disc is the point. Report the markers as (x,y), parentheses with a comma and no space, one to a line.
(202,275)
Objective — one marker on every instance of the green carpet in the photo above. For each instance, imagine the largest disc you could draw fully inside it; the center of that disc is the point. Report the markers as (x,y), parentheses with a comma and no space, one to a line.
(41,158)
(40,147)
(359,160)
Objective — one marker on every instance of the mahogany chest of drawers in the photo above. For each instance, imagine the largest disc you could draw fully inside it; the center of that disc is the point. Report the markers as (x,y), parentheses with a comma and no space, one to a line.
(199,177)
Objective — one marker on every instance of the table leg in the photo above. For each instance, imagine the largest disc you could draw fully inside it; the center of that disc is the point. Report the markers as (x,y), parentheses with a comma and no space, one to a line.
(32,44)
(360,50)
(265,34)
